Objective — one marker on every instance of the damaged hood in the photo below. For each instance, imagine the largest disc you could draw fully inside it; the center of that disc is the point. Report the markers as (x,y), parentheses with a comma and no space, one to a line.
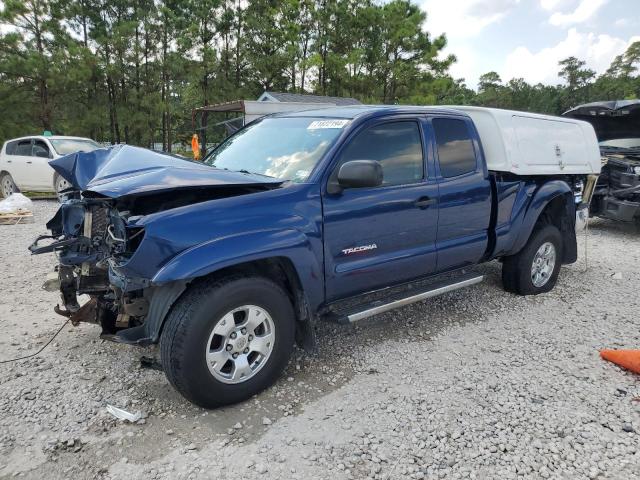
(124,170)
(611,120)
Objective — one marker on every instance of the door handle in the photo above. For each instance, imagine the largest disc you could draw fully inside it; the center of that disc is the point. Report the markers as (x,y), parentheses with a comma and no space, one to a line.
(424,202)
(29,161)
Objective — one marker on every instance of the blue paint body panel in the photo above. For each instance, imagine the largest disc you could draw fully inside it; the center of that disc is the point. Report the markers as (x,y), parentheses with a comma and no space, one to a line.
(312,228)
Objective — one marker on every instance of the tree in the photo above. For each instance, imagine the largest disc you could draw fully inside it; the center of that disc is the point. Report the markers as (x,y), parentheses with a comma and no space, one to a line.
(29,62)
(574,74)
(578,81)
(132,70)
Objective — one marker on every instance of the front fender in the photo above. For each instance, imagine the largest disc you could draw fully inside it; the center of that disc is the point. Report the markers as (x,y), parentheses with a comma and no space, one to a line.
(526,220)
(220,253)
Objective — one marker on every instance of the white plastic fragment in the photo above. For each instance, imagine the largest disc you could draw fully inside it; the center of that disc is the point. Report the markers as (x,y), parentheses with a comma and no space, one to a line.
(123,414)
(16,203)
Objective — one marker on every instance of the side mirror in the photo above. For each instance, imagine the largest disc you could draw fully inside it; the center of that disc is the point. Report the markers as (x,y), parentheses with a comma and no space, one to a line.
(359,174)
(42,154)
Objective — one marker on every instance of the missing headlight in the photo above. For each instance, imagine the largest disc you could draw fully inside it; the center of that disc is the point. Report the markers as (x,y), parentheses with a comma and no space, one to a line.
(134,238)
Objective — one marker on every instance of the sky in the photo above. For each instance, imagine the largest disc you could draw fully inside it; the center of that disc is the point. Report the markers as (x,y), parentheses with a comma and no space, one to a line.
(527,38)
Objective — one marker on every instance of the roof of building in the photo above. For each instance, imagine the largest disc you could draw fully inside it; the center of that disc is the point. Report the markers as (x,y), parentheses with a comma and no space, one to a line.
(305,98)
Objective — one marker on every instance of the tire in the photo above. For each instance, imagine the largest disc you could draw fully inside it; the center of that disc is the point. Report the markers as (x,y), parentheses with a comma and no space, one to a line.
(518,272)
(190,347)
(7,185)
(59,184)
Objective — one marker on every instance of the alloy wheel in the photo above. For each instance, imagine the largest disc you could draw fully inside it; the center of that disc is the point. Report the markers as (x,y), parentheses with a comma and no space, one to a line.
(544,262)
(8,187)
(240,344)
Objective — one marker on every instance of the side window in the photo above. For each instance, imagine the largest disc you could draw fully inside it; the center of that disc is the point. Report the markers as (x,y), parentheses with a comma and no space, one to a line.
(40,149)
(23,148)
(396,145)
(455,147)
(11,148)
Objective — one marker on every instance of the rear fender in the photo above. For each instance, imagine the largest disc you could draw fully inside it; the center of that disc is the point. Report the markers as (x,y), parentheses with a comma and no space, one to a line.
(540,198)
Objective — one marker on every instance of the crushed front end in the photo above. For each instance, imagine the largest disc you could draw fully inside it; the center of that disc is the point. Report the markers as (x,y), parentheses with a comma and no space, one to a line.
(103,234)
(617,126)
(617,194)
(91,238)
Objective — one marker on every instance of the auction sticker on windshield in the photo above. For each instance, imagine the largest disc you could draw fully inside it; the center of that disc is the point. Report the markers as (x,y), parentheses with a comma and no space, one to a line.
(317,124)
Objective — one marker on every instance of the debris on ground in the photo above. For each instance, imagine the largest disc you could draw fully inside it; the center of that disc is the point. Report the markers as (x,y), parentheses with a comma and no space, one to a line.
(629,359)
(16,208)
(123,415)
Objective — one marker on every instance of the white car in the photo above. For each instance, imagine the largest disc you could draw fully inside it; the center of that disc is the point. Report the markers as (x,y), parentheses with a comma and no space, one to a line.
(24,162)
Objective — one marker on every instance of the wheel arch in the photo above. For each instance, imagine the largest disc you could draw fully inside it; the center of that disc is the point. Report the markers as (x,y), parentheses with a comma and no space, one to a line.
(552,203)
(560,212)
(279,269)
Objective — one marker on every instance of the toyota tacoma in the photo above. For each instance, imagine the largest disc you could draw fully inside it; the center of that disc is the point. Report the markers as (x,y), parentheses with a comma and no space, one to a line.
(330,214)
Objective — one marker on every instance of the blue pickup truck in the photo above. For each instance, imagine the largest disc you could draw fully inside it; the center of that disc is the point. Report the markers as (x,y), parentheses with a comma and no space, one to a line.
(336,214)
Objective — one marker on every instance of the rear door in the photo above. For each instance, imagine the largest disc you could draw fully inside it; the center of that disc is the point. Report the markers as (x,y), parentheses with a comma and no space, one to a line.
(465,193)
(374,237)
(18,162)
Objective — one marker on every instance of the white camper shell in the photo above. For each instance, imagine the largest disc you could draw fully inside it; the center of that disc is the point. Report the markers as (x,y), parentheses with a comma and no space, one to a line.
(531,144)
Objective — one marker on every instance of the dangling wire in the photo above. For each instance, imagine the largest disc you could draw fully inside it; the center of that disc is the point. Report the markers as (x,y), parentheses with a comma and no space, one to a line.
(41,349)
(586,242)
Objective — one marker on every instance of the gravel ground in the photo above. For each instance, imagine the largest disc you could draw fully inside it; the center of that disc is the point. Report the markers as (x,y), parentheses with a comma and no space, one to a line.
(474,384)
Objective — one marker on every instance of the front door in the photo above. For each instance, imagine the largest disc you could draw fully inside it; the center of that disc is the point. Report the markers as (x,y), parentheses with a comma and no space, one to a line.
(41,172)
(374,237)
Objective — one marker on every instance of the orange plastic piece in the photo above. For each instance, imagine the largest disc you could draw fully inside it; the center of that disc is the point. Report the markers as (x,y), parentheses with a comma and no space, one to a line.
(629,359)
(195,146)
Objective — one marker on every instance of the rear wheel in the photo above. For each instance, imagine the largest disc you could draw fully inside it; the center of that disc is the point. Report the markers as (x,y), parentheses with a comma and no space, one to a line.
(224,341)
(7,186)
(535,268)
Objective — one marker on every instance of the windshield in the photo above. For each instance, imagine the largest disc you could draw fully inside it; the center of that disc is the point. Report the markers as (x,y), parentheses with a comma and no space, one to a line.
(65,146)
(284,148)
(622,143)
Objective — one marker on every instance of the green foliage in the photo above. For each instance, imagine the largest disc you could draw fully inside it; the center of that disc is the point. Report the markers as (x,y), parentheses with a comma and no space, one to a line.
(132,70)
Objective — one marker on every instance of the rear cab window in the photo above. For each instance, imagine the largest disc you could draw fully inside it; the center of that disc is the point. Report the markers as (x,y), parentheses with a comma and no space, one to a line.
(454,145)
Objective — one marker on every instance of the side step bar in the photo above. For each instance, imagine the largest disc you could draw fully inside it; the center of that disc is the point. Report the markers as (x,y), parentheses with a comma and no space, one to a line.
(434,291)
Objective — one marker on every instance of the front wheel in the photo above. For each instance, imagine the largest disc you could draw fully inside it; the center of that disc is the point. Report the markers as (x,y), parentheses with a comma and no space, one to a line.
(535,268)
(59,185)
(226,340)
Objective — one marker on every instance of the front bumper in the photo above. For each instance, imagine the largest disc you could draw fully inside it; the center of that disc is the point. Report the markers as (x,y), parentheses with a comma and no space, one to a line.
(618,209)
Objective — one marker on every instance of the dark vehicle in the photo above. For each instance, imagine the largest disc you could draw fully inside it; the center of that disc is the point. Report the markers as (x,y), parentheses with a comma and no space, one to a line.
(337,214)
(617,126)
